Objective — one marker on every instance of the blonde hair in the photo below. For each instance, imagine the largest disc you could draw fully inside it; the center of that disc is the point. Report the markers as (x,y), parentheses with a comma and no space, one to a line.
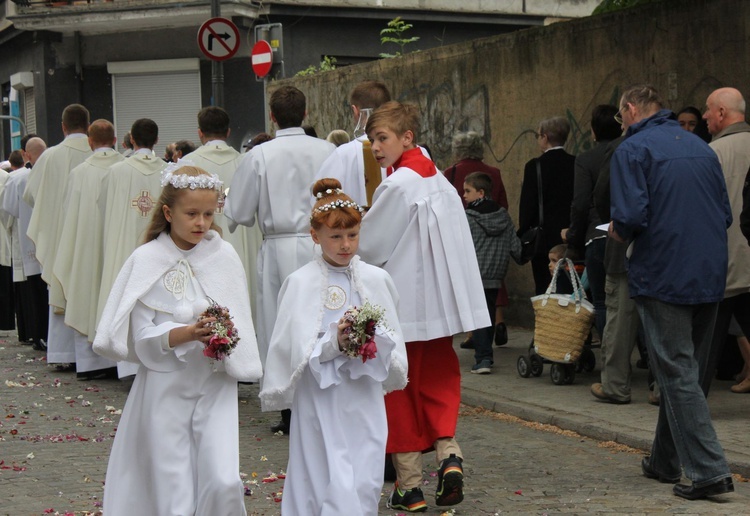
(395,116)
(169,195)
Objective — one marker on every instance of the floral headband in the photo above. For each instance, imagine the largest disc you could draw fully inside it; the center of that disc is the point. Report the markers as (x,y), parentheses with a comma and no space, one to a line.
(328,192)
(335,205)
(201,181)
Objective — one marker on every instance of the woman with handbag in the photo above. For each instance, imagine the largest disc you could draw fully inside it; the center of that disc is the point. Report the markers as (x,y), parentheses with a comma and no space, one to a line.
(546,195)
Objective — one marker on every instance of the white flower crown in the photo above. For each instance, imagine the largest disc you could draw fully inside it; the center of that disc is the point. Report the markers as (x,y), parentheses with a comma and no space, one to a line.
(330,191)
(202,181)
(335,205)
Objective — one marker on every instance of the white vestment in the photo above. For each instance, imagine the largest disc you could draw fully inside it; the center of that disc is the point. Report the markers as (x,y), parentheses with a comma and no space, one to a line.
(6,225)
(176,450)
(216,157)
(45,192)
(130,193)
(273,183)
(417,230)
(78,266)
(338,427)
(25,262)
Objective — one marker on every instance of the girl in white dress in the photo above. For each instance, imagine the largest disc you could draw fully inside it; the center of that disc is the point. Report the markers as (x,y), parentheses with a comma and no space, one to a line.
(176,451)
(338,427)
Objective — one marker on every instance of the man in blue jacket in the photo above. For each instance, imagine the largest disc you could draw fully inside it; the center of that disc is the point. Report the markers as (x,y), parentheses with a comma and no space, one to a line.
(669,200)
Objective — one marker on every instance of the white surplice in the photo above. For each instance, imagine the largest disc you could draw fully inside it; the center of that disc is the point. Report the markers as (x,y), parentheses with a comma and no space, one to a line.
(216,157)
(273,184)
(176,450)
(6,223)
(338,427)
(25,263)
(417,230)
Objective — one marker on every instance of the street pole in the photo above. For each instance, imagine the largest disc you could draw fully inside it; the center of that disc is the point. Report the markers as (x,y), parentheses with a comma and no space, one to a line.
(217,67)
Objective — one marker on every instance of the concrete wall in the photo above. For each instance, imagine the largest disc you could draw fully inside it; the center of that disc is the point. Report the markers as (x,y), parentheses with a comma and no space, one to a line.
(503,85)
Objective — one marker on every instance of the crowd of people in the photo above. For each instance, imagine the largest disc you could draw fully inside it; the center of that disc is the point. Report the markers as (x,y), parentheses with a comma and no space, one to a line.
(335,270)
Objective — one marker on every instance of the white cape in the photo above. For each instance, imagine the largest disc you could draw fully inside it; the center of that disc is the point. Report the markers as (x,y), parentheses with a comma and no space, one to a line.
(300,315)
(220,273)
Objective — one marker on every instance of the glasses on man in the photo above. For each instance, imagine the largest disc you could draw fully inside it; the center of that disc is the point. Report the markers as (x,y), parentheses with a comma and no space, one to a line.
(618,117)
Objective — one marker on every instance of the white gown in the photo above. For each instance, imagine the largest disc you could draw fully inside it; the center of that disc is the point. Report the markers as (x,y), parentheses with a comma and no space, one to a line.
(166,458)
(338,427)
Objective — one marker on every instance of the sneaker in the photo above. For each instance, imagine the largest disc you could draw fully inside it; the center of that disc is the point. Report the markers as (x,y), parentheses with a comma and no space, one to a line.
(411,500)
(450,488)
(501,334)
(483,367)
(468,342)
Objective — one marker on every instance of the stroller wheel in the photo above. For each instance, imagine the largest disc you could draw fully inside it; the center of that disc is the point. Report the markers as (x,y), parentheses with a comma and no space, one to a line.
(557,374)
(537,365)
(570,373)
(588,360)
(524,367)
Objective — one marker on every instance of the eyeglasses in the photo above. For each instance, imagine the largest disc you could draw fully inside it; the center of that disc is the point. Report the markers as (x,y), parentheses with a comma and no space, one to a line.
(538,135)
(618,115)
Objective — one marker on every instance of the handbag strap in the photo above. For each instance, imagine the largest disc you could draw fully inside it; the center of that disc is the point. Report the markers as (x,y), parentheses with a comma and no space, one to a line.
(578,293)
(539,191)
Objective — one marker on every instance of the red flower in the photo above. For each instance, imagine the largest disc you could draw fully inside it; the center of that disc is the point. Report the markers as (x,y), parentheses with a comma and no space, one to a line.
(370,327)
(368,349)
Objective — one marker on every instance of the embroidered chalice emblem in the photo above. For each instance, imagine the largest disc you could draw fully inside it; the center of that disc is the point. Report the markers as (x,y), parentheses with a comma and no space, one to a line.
(144,203)
(174,281)
(335,298)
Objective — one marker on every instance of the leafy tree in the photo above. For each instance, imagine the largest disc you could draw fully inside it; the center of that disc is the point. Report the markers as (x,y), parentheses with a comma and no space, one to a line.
(327,64)
(394,33)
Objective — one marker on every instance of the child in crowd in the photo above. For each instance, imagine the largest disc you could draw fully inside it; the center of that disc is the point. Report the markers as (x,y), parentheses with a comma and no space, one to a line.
(177,445)
(557,253)
(339,426)
(416,230)
(495,241)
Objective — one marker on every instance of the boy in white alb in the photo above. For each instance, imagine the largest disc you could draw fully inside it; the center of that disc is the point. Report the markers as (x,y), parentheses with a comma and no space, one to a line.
(416,230)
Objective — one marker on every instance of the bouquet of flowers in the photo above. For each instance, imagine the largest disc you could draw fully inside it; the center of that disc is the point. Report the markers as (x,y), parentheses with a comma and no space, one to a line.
(361,333)
(224,336)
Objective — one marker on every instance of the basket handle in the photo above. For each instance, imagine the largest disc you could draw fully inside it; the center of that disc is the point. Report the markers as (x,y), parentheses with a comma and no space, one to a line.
(578,294)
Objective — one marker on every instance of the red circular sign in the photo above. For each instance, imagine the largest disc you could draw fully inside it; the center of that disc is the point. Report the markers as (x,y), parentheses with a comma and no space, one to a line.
(219,39)
(262,58)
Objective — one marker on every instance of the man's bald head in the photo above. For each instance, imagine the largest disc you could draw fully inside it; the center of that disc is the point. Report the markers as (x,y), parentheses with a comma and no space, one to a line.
(34,148)
(101,134)
(724,107)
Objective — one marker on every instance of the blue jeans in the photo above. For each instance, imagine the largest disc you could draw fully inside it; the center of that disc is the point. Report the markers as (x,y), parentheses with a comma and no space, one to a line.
(596,274)
(676,336)
(483,336)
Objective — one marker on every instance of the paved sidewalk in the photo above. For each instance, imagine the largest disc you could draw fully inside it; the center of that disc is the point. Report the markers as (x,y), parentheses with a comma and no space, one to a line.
(572,407)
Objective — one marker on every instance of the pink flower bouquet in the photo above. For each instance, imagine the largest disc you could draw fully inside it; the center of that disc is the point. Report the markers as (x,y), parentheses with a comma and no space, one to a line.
(361,334)
(224,336)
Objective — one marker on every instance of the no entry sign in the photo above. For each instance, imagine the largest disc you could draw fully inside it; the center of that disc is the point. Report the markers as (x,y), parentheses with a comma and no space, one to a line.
(262,58)
(219,39)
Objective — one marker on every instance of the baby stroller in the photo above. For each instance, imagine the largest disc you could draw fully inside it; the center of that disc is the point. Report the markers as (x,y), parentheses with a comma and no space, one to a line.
(562,332)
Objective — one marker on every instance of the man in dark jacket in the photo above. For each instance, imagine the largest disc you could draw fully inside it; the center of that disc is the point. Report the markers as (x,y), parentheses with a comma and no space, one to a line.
(667,187)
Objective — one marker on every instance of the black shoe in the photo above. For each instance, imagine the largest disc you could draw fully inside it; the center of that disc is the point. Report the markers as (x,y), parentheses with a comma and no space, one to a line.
(501,334)
(283,425)
(450,488)
(109,373)
(389,475)
(690,492)
(468,343)
(411,500)
(648,472)
(65,368)
(40,345)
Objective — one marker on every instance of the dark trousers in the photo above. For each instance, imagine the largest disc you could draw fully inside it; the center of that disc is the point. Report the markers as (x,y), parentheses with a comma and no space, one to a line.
(739,306)
(483,336)
(7,303)
(35,308)
(597,275)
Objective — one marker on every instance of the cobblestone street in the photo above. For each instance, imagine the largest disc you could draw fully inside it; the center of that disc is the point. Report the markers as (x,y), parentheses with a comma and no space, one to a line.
(56,433)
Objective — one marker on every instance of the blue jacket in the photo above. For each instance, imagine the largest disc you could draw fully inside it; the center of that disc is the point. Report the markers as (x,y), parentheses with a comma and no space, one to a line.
(669,197)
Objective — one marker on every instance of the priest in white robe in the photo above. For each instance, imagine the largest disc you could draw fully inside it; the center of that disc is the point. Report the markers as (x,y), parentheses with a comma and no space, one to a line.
(27,272)
(273,185)
(78,266)
(45,193)
(217,157)
(130,192)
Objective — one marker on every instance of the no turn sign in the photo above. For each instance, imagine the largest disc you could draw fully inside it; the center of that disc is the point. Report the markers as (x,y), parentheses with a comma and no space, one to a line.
(262,58)
(219,39)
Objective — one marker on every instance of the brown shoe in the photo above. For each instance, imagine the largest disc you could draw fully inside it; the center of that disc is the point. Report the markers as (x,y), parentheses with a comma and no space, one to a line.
(598,391)
(653,399)
(742,387)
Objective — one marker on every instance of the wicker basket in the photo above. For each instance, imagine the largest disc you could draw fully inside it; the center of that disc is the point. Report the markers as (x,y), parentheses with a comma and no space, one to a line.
(562,321)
